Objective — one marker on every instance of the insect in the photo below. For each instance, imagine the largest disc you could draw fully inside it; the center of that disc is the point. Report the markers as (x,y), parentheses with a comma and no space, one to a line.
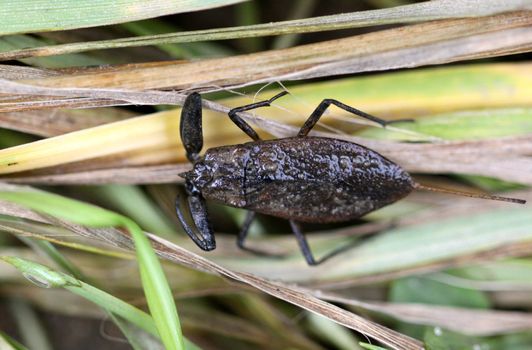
(301,178)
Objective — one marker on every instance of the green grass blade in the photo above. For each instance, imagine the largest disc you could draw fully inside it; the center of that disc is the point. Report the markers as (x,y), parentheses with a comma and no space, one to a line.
(53,254)
(134,203)
(38,15)
(463,125)
(428,10)
(158,294)
(177,50)
(403,248)
(43,276)
(8,343)
(46,277)
(16,42)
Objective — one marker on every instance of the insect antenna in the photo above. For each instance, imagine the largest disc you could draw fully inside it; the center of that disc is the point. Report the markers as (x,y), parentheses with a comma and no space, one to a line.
(469,194)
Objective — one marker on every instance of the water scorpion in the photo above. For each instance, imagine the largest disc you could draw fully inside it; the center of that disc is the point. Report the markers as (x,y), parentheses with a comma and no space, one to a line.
(302,178)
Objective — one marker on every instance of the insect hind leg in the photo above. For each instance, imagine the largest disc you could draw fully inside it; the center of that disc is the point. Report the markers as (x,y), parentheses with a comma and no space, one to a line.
(305,248)
(322,107)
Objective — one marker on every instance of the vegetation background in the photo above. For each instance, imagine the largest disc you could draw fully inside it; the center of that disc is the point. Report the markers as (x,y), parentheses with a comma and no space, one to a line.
(89,114)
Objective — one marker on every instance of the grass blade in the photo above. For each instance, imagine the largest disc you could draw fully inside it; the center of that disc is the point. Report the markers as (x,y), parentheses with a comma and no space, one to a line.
(180,255)
(32,330)
(38,15)
(8,343)
(446,40)
(412,13)
(156,288)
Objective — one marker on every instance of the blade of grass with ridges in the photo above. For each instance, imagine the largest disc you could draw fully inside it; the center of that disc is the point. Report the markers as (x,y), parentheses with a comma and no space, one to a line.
(156,288)
(411,13)
(44,15)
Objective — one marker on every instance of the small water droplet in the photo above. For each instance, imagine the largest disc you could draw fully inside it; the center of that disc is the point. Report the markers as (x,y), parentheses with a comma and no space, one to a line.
(301,176)
(270,166)
(37,280)
(358,160)
(317,158)
(438,331)
(344,163)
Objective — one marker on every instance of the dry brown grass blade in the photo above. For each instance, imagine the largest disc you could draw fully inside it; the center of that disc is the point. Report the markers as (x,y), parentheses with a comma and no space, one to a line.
(181,256)
(57,122)
(411,13)
(12,72)
(132,175)
(505,158)
(472,322)
(446,41)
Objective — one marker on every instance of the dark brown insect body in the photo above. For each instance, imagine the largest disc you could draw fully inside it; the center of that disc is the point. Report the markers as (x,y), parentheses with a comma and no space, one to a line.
(301,178)
(310,179)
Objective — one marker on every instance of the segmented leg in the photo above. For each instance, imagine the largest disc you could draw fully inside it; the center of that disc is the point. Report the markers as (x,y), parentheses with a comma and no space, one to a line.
(303,244)
(322,107)
(242,235)
(190,126)
(245,127)
(202,235)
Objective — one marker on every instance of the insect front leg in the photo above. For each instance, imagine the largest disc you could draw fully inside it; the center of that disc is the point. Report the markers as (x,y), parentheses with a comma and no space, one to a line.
(190,127)
(245,127)
(322,107)
(201,233)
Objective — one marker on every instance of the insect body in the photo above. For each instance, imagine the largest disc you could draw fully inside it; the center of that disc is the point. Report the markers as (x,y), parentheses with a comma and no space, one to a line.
(301,178)
(309,179)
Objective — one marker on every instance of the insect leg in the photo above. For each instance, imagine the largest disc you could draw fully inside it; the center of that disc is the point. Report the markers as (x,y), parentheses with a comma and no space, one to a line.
(242,235)
(198,211)
(318,112)
(303,244)
(190,126)
(245,127)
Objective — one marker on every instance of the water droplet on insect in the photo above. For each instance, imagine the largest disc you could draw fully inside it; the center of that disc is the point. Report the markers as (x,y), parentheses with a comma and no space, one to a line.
(344,163)
(438,331)
(270,167)
(358,160)
(40,282)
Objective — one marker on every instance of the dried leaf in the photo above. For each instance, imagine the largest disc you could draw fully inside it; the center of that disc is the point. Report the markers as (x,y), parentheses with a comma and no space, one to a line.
(446,41)
(472,322)
(290,294)
(425,11)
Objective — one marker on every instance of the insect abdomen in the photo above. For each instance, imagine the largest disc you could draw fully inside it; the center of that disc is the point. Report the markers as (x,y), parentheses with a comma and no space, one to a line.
(316,179)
